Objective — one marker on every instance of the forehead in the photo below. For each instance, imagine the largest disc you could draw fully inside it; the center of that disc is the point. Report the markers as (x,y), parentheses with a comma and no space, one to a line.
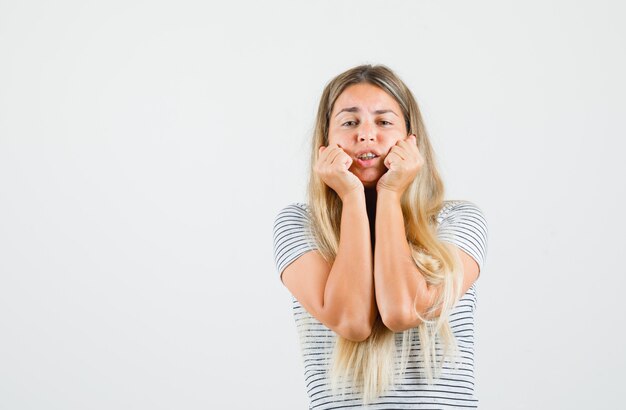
(367,97)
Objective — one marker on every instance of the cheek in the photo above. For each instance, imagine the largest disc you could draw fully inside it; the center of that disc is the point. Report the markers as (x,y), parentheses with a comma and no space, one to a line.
(393,141)
(389,144)
(337,138)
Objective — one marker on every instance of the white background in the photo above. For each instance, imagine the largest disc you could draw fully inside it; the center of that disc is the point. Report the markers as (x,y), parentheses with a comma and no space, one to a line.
(146,147)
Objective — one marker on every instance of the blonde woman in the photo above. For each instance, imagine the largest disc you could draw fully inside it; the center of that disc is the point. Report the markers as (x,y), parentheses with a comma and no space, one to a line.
(381,268)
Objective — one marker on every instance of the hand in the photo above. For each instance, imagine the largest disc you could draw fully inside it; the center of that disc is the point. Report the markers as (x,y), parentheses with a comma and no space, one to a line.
(332,167)
(404,162)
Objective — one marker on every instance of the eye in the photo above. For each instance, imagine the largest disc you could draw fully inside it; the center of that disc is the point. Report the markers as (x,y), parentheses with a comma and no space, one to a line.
(385,122)
(348,123)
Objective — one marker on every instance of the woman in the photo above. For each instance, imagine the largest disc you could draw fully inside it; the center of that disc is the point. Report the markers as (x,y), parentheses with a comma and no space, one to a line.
(382,269)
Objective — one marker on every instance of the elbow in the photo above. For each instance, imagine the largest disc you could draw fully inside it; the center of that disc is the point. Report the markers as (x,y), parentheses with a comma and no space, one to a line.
(355,325)
(395,323)
(354,330)
(357,334)
(398,319)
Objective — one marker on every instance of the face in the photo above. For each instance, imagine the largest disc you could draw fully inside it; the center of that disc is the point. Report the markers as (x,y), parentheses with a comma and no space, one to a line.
(366,119)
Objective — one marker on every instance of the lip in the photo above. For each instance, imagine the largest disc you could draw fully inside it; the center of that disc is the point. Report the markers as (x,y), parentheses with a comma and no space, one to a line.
(364,163)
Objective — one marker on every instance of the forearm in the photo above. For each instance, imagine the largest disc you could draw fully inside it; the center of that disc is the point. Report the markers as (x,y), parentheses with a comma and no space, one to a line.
(349,292)
(398,280)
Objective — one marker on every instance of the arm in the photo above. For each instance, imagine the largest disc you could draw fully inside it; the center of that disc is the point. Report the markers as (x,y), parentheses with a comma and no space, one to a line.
(340,296)
(398,280)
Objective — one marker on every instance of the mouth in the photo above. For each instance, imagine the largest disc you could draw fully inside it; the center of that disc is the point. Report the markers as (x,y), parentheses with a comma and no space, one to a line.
(366,161)
(367,155)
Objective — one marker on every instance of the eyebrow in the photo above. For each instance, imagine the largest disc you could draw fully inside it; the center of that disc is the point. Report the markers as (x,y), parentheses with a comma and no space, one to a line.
(356,109)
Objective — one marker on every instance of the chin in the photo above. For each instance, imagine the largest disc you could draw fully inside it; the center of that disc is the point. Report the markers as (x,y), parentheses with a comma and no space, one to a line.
(369,184)
(370,179)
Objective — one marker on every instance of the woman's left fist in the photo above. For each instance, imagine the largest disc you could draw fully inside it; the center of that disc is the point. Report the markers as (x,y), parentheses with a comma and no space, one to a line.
(404,162)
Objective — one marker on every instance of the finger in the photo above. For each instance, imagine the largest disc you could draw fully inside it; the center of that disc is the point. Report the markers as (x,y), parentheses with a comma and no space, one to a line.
(391,158)
(413,143)
(400,151)
(345,159)
(320,151)
(389,161)
(335,155)
(410,139)
(325,152)
(402,143)
(410,147)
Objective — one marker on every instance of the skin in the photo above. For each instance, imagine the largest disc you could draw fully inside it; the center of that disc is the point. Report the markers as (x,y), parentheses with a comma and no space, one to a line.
(385,132)
(343,296)
(366,117)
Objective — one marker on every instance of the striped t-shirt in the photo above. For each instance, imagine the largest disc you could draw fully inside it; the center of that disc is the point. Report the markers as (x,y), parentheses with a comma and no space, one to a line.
(459,222)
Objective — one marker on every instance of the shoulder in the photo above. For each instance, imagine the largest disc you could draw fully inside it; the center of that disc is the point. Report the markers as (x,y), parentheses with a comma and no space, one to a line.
(463,223)
(292,234)
(460,207)
(293,220)
(295,212)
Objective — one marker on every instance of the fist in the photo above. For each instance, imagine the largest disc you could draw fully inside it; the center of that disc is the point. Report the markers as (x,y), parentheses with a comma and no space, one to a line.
(332,166)
(404,162)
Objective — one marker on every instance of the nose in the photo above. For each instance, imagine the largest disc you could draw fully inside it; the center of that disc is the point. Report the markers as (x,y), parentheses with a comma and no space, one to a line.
(366,132)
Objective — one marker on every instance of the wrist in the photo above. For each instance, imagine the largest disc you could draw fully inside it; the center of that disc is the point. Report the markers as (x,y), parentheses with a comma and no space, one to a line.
(355,194)
(388,193)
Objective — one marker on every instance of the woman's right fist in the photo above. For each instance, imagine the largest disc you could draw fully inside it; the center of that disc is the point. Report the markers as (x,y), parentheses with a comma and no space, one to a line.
(332,167)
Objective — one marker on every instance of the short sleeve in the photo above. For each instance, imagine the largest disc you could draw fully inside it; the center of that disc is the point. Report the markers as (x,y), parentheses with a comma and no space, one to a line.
(464,224)
(292,237)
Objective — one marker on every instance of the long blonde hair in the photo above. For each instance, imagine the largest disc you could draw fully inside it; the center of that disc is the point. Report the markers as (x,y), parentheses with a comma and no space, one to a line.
(369,367)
